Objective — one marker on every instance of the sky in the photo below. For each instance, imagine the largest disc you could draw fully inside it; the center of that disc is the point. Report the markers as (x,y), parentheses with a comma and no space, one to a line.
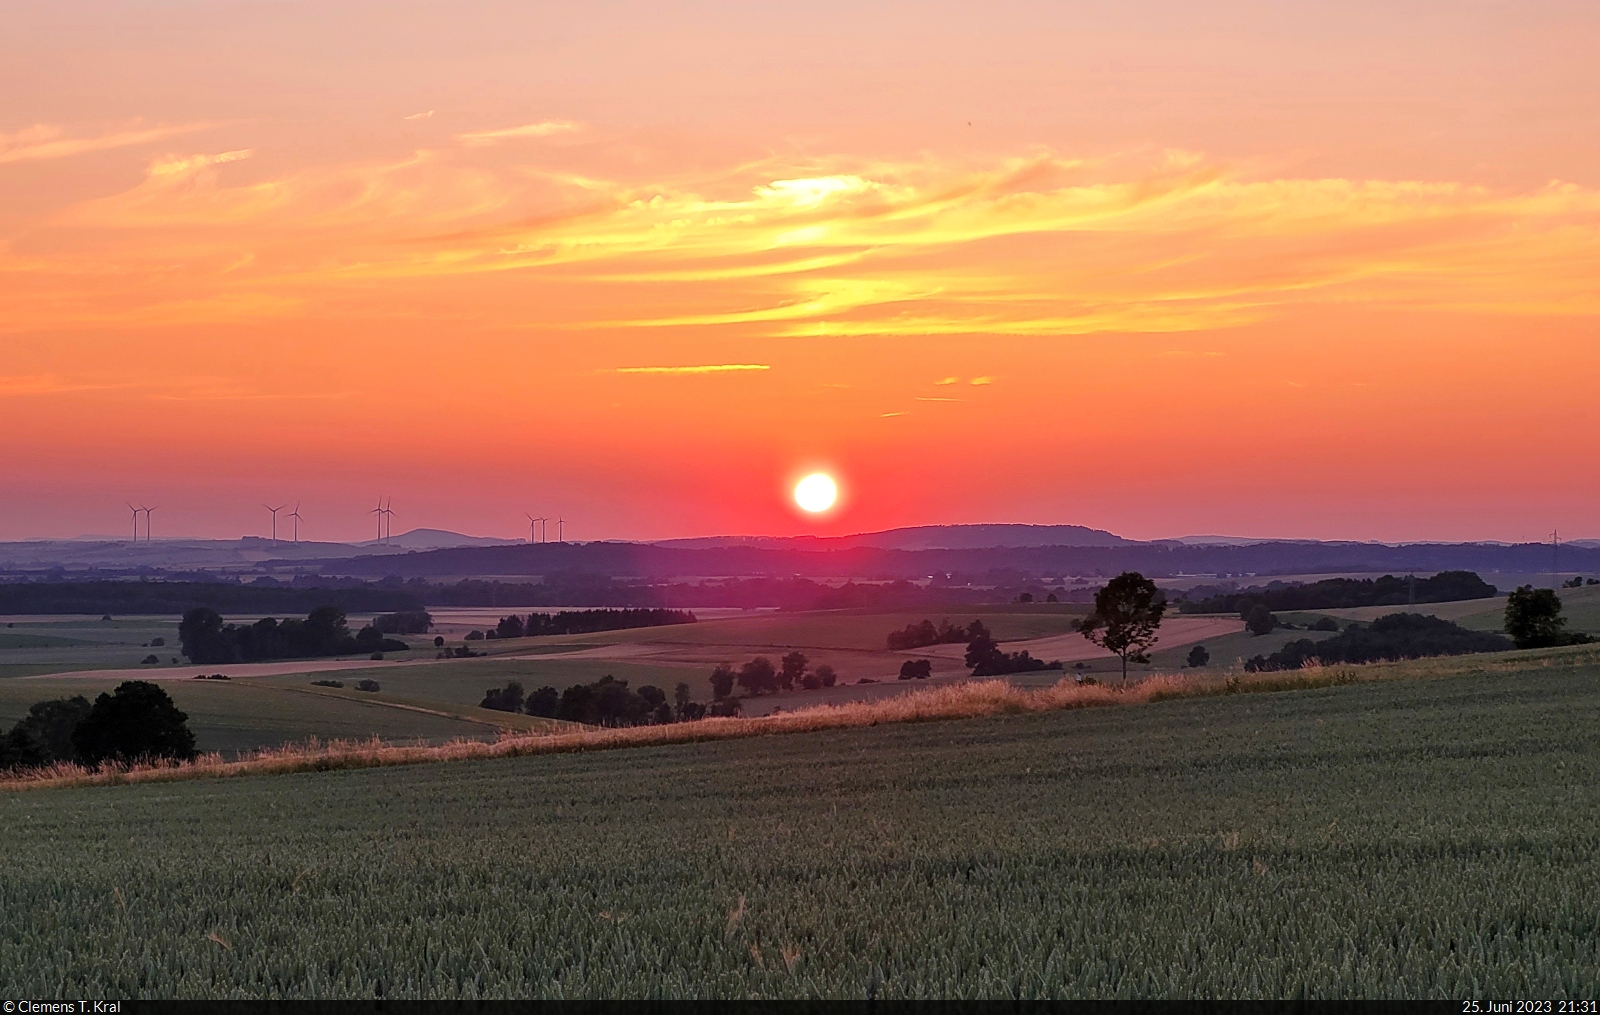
(1312,270)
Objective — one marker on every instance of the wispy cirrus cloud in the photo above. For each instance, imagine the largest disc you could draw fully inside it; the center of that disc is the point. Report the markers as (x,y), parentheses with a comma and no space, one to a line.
(43,384)
(710,368)
(43,141)
(840,248)
(544,128)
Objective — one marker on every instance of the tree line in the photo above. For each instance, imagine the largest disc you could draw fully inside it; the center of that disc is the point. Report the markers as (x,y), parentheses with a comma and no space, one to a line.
(174,597)
(206,638)
(1393,636)
(759,676)
(137,722)
(587,622)
(606,702)
(1340,593)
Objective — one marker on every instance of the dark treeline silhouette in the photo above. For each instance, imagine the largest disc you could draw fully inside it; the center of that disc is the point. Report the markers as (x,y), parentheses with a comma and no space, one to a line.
(1394,636)
(1339,593)
(783,593)
(924,634)
(136,722)
(206,638)
(606,702)
(1155,559)
(987,660)
(171,597)
(587,622)
(404,622)
(760,676)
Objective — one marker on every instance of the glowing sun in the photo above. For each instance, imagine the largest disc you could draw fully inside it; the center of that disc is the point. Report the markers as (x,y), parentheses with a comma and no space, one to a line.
(816,492)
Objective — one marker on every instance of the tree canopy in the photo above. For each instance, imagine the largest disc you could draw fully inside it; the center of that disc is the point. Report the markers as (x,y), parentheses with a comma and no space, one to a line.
(1127,612)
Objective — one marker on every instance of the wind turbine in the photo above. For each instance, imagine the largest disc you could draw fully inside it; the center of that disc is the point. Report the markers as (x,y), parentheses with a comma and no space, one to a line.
(379,512)
(147,513)
(295,514)
(531,521)
(135,521)
(561,531)
(274,511)
(388,521)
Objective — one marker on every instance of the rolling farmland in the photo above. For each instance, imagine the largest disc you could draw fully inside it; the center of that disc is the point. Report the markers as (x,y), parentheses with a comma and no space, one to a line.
(1409,838)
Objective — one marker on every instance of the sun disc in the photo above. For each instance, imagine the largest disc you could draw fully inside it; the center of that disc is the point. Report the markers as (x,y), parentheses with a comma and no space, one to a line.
(816,492)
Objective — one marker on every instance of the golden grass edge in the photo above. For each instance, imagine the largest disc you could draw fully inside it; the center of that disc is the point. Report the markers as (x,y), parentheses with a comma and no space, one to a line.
(966,700)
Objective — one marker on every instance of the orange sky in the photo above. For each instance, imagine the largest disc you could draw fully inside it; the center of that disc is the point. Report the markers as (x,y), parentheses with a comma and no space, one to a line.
(1329,272)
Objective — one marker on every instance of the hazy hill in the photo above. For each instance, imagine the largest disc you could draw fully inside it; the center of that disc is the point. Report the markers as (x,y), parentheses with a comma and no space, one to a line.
(920,537)
(974,565)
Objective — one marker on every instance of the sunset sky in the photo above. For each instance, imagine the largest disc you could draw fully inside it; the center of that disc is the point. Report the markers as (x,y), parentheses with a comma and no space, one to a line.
(1314,269)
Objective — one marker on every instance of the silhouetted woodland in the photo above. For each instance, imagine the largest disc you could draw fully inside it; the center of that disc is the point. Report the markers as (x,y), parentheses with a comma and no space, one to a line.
(586,622)
(404,622)
(175,597)
(987,660)
(914,636)
(1339,593)
(606,702)
(136,722)
(1394,636)
(207,639)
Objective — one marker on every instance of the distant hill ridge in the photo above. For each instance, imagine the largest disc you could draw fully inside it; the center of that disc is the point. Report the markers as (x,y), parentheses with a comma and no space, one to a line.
(919,537)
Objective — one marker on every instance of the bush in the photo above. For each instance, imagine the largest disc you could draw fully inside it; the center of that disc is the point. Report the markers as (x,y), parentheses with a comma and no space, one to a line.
(916,669)
(474,636)
(368,685)
(758,676)
(1198,656)
(544,702)
(1260,621)
(327,683)
(506,699)
(150,660)
(1324,624)
(722,679)
(136,722)
(793,670)
(158,642)
(1533,617)
(987,660)
(438,642)
(44,735)
(825,675)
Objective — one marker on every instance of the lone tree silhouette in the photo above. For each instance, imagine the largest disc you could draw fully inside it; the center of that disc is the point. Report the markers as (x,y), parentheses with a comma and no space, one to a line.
(1533,617)
(1126,614)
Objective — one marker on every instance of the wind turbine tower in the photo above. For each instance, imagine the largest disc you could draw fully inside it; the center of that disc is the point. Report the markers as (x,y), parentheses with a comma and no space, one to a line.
(295,514)
(561,530)
(379,512)
(147,513)
(274,511)
(388,520)
(135,521)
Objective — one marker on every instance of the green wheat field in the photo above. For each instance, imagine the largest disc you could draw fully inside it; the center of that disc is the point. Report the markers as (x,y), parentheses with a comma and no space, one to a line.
(1410,838)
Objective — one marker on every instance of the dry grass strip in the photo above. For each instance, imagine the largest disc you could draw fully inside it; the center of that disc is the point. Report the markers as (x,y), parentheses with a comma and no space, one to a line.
(968,700)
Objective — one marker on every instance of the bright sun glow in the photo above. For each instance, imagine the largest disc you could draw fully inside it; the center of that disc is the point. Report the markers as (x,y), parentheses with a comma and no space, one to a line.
(816,492)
